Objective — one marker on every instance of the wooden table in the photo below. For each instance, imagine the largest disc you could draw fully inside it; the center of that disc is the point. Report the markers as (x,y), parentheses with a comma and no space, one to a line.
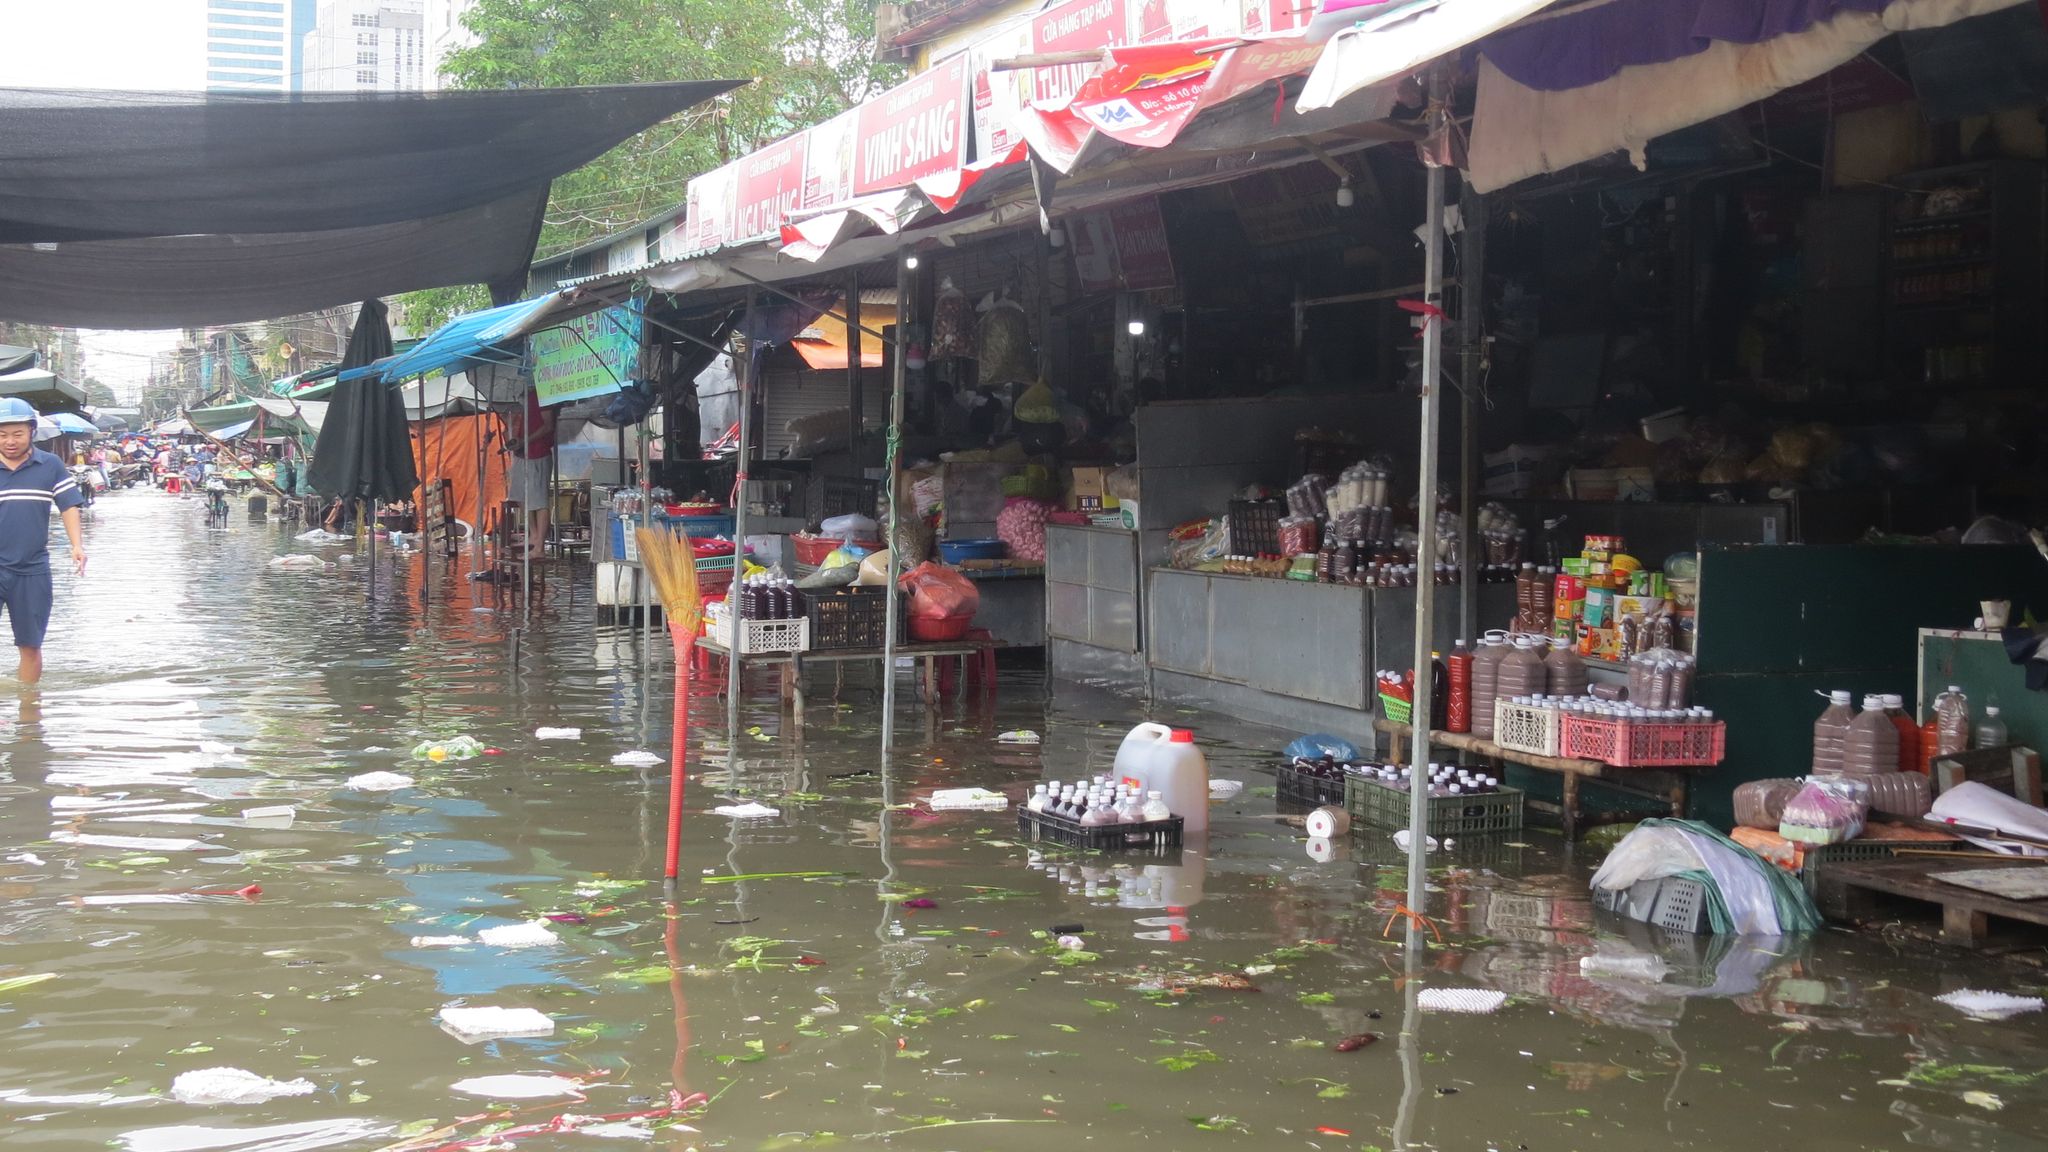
(793,664)
(1965,912)
(1667,786)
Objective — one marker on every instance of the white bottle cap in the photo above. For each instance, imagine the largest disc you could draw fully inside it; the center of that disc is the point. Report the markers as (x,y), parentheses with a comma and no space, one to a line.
(1991,710)
(1956,688)
(1894,700)
(1839,696)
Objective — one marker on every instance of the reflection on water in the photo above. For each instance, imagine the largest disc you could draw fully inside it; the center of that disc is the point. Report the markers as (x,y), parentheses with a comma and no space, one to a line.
(907,986)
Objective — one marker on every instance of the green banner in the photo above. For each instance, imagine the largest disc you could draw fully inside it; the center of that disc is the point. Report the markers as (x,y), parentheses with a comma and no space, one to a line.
(590,356)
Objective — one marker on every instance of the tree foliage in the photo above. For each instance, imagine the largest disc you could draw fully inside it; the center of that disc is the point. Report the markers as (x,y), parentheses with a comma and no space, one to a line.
(808,59)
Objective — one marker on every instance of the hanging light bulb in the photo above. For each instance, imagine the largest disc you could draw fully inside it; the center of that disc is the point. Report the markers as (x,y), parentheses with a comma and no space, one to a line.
(1136,327)
(1057,237)
(1345,197)
(910,261)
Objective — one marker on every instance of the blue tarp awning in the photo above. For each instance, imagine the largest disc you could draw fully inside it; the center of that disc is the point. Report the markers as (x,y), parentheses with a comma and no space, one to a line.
(477,337)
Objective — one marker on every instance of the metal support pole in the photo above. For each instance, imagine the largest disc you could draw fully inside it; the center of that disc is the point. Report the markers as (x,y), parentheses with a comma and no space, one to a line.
(894,466)
(1425,528)
(856,420)
(1471,354)
(641,579)
(743,372)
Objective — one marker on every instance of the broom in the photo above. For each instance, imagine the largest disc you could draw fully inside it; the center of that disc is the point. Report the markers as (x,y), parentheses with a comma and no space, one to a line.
(671,563)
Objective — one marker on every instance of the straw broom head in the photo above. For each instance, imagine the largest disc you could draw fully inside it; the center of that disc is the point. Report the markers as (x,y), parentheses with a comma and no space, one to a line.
(672,565)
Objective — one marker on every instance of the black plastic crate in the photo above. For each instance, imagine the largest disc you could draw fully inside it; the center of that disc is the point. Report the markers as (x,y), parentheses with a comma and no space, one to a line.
(1255,527)
(843,496)
(1294,785)
(1151,836)
(844,618)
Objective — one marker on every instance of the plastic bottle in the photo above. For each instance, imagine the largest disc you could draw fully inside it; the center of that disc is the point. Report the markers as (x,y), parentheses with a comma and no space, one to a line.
(1156,808)
(1871,743)
(1439,693)
(1132,754)
(1951,722)
(1176,770)
(1910,759)
(1991,731)
(1458,705)
(1486,682)
(1522,671)
(1566,672)
(1038,798)
(1828,732)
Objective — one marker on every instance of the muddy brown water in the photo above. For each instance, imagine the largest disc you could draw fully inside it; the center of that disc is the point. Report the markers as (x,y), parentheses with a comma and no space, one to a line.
(833,1009)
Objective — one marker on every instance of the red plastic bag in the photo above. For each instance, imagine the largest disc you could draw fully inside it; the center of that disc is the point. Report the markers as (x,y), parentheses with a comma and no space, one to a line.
(940,593)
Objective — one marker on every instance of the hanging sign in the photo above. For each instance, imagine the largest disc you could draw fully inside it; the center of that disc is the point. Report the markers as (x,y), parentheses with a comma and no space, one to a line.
(588,356)
(708,202)
(917,129)
(1142,258)
(828,161)
(771,182)
(1073,26)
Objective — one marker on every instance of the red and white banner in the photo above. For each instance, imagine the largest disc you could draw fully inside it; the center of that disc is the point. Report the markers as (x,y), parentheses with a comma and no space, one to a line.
(1142,257)
(708,202)
(917,129)
(771,183)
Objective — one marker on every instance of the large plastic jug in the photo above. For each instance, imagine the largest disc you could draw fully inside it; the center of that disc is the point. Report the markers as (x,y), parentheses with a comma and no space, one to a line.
(1567,673)
(1486,682)
(1132,754)
(1523,672)
(1871,742)
(1176,769)
(1829,730)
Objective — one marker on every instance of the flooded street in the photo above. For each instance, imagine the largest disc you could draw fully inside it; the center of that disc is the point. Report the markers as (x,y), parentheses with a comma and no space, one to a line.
(901,993)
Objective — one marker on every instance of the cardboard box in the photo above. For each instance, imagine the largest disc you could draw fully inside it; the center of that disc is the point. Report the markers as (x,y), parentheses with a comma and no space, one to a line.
(1603,643)
(1599,608)
(1610,484)
(1643,606)
(1088,488)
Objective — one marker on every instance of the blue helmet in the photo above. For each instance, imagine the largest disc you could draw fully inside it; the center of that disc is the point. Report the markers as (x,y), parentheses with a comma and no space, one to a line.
(15,410)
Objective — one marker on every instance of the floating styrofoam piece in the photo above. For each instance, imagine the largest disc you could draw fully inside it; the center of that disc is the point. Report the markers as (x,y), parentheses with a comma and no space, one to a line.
(635,760)
(747,811)
(1225,789)
(233,1086)
(474,1025)
(1019,736)
(979,799)
(1475,1001)
(1401,841)
(558,733)
(620,1130)
(440,941)
(270,816)
(298,561)
(518,1086)
(526,934)
(380,782)
(130,843)
(304,1136)
(1981,1005)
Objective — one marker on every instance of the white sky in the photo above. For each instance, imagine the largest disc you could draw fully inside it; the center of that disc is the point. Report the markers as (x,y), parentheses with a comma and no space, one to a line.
(133,44)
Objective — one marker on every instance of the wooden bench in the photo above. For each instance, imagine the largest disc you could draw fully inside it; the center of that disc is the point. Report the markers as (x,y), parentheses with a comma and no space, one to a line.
(1665,786)
(1965,912)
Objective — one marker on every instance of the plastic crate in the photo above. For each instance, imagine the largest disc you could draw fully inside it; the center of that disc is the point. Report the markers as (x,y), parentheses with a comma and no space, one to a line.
(763,637)
(843,496)
(1373,803)
(1296,786)
(1396,710)
(1255,527)
(1673,903)
(1640,744)
(1816,858)
(849,618)
(1526,728)
(1151,836)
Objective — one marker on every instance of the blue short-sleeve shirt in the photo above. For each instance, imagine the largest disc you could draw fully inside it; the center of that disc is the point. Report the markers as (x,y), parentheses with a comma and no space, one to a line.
(27,494)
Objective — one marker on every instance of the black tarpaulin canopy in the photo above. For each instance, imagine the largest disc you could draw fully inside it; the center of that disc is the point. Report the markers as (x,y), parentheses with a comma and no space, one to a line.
(166,209)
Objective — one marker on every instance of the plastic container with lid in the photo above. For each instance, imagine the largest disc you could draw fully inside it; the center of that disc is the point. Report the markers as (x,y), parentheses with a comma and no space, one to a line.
(1522,671)
(1829,732)
(1951,722)
(1909,734)
(1870,744)
(1458,702)
(1991,732)
(1565,670)
(1171,766)
(1493,648)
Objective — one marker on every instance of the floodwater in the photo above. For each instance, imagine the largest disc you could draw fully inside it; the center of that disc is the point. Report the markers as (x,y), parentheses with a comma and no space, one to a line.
(898,996)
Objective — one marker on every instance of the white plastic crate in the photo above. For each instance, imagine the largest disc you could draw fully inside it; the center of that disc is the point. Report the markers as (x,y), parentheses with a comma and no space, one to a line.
(758,637)
(1526,728)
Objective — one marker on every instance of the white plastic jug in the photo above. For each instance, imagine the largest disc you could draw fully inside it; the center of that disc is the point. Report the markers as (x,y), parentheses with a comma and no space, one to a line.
(1176,769)
(1136,750)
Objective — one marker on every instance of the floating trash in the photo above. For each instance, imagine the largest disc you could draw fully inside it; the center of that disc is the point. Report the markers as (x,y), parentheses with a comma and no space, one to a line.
(440,941)
(1978,1004)
(1225,789)
(979,799)
(527,934)
(635,760)
(233,1086)
(558,733)
(456,748)
(474,1025)
(380,782)
(1019,736)
(1473,1001)
(518,1086)
(747,811)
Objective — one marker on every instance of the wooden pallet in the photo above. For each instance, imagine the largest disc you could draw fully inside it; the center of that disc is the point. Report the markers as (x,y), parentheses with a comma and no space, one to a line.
(1965,913)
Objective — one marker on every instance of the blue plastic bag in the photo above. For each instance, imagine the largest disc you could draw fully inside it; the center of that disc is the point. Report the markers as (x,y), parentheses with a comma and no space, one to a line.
(1317,745)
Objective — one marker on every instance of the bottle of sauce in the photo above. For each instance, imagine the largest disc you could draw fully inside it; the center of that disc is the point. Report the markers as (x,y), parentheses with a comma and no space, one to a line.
(1871,742)
(1486,682)
(1566,672)
(1829,732)
(1458,710)
(1910,759)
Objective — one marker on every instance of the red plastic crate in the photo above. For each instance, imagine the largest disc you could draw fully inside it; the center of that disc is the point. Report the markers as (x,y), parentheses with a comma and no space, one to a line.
(1658,744)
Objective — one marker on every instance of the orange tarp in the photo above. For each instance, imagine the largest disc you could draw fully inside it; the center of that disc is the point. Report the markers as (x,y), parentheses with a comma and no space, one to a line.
(450,445)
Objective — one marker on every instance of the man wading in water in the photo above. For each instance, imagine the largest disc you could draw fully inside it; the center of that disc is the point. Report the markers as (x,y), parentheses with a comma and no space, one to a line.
(32,482)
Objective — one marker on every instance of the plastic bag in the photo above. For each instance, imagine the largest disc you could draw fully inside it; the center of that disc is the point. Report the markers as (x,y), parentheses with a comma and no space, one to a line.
(1004,337)
(1825,812)
(1038,405)
(940,593)
(1317,745)
(1761,803)
(952,324)
(1299,535)
(852,526)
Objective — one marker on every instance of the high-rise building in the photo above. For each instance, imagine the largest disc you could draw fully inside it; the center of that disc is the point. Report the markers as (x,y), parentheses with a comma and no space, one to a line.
(445,34)
(366,46)
(248,45)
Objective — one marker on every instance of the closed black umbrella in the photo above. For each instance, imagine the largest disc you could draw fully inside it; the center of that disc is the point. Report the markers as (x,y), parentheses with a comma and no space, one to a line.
(365,450)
